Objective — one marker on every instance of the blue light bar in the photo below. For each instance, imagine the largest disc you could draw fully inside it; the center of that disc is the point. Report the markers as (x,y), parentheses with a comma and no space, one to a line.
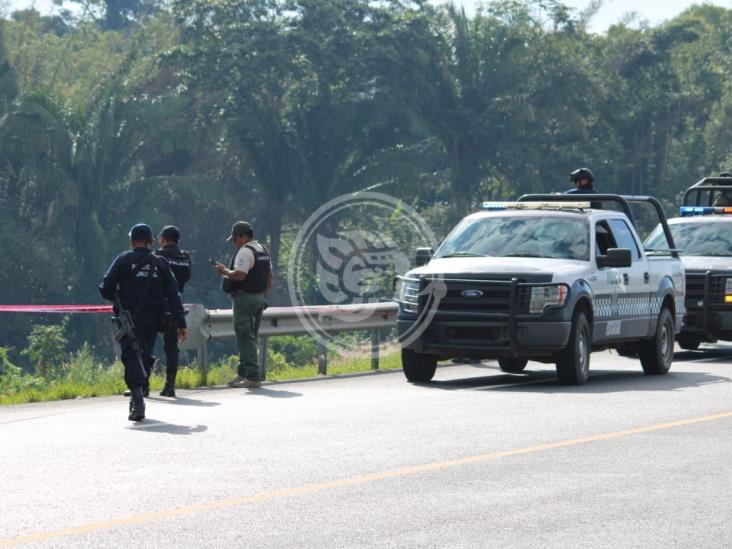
(703,210)
(493,206)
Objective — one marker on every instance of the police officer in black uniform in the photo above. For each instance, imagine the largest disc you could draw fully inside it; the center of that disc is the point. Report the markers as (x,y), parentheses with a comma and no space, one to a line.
(583,182)
(180,263)
(145,284)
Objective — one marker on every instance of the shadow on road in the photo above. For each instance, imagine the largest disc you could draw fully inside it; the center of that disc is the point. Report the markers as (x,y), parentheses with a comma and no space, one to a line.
(155,426)
(489,381)
(266,391)
(182,401)
(601,381)
(612,381)
(721,355)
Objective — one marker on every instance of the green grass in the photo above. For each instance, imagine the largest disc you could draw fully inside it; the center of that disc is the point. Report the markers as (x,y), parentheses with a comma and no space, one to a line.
(85,378)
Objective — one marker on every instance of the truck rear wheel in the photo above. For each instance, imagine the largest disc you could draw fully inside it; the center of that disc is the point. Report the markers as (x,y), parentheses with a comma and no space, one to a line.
(418,367)
(657,353)
(690,342)
(573,362)
(512,365)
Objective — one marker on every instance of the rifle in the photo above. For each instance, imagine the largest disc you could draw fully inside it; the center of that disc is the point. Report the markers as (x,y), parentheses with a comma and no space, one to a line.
(126,329)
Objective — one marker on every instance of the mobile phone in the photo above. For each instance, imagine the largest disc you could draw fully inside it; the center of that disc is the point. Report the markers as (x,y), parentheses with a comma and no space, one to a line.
(212,261)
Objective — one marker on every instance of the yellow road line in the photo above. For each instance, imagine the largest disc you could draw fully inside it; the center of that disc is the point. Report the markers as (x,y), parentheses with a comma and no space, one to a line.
(351,481)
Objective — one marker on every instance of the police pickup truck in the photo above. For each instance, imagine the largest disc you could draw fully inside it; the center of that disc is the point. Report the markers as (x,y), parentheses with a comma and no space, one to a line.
(703,232)
(542,279)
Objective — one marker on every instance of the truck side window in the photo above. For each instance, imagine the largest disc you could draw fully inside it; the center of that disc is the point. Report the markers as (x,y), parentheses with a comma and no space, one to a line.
(624,237)
(603,238)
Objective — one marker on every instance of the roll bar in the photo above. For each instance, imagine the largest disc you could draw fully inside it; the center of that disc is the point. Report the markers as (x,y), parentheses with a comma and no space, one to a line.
(706,184)
(623,200)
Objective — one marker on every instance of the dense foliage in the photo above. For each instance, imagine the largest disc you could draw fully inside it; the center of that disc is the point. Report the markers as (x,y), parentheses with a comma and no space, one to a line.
(198,113)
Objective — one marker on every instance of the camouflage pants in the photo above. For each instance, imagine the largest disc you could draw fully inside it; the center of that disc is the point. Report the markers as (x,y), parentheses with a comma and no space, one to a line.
(248,309)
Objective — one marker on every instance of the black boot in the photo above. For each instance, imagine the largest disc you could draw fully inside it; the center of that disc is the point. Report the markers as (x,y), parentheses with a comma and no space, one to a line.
(137,405)
(168,390)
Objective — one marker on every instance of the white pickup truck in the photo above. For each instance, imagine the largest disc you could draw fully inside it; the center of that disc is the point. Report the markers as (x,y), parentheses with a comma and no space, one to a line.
(703,233)
(542,279)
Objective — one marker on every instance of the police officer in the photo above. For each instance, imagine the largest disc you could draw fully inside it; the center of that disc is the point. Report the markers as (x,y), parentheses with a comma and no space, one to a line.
(180,263)
(248,279)
(144,283)
(583,180)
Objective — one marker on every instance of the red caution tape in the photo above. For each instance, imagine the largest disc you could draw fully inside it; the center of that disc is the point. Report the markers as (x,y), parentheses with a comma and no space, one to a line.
(63,309)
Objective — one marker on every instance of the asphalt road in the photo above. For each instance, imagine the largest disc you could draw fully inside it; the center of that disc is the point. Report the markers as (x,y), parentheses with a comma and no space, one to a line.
(476,459)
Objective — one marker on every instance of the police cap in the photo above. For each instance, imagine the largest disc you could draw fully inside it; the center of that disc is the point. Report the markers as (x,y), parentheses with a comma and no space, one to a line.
(141,233)
(171,233)
(241,228)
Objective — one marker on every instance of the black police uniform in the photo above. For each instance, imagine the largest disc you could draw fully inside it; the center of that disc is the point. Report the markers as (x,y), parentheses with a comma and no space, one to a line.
(145,284)
(180,263)
(587,189)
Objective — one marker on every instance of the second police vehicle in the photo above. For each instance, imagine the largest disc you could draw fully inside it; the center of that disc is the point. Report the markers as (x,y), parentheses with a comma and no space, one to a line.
(542,279)
(703,234)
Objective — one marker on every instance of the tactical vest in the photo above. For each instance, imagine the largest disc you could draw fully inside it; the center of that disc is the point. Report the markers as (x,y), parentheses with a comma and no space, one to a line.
(180,263)
(256,280)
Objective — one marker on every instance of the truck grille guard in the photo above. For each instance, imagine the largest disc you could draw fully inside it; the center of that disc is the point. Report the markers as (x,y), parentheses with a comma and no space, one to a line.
(515,303)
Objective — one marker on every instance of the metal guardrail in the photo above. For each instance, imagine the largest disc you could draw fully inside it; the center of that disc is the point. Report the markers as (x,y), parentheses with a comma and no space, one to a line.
(218,324)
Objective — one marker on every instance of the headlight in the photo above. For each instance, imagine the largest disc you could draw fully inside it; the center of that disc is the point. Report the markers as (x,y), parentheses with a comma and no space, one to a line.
(407,293)
(547,296)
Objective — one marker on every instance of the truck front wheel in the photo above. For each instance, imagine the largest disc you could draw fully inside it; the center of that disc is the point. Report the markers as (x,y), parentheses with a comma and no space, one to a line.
(657,353)
(573,362)
(418,367)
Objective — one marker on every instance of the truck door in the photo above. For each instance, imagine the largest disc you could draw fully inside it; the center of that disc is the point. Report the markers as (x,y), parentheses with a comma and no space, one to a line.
(622,294)
(634,292)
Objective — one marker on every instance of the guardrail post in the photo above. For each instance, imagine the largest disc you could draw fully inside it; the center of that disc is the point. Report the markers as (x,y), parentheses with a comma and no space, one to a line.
(202,357)
(263,356)
(322,358)
(375,344)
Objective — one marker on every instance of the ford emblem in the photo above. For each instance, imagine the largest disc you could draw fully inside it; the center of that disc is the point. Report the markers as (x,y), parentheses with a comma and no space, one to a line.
(471,294)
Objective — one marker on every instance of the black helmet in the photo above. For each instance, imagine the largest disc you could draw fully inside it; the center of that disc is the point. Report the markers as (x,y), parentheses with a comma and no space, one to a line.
(725,174)
(582,173)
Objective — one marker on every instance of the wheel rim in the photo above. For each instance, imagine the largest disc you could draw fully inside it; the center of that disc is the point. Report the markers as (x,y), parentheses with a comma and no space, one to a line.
(582,350)
(665,343)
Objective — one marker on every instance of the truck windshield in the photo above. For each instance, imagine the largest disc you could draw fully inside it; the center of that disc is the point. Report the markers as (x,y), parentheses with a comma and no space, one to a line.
(519,236)
(696,238)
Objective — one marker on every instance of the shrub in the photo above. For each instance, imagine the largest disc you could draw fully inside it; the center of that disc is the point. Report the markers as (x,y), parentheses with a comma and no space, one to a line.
(295,351)
(10,374)
(46,349)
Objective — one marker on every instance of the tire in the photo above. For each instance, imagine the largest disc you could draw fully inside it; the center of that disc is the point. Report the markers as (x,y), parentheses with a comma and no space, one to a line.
(573,362)
(657,353)
(689,342)
(512,365)
(418,367)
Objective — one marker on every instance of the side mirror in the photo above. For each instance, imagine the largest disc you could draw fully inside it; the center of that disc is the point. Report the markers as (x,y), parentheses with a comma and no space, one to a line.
(423,256)
(616,257)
